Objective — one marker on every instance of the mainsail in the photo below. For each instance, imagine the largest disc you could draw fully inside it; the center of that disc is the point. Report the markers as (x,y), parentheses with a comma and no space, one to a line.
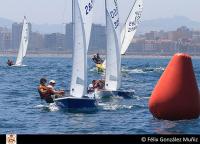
(82,23)
(130,27)
(24,43)
(86,8)
(113,56)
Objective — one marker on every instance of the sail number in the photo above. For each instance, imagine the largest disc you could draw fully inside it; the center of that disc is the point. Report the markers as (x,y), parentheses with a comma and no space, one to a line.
(89,7)
(133,24)
(115,13)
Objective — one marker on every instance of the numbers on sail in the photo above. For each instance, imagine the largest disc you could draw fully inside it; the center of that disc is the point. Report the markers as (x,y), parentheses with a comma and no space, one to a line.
(133,24)
(116,23)
(114,13)
(89,7)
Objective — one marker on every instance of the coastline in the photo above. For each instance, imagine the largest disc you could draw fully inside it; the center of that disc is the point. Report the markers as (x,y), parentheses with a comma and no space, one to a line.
(61,55)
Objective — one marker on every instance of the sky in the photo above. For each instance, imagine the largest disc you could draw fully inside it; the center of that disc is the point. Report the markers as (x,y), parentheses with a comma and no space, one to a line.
(59,11)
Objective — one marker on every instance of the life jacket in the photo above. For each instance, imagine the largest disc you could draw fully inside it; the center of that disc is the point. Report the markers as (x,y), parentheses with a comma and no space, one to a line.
(101,84)
(10,63)
(44,91)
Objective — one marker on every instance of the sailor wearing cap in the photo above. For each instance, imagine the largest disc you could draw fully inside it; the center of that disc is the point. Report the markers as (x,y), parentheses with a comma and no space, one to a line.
(51,85)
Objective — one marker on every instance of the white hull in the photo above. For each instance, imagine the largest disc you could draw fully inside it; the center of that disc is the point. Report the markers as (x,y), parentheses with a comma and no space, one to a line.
(19,65)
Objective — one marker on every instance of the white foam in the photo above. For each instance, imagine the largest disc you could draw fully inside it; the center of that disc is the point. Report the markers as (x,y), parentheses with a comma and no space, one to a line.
(51,107)
(113,107)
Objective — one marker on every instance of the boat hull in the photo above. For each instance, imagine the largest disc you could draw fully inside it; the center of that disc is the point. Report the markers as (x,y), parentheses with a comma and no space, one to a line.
(72,103)
(19,65)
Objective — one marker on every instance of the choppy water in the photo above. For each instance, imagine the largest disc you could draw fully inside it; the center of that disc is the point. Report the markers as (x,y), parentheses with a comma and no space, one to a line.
(22,111)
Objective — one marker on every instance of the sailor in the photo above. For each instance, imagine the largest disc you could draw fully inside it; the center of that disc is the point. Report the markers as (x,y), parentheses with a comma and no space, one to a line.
(10,62)
(56,93)
(94,59)
(97,59)
(90,88)
(45,92)
(98,84)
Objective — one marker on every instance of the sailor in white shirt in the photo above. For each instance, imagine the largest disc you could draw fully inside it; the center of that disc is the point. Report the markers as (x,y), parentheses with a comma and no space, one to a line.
(57,93)
(52,84)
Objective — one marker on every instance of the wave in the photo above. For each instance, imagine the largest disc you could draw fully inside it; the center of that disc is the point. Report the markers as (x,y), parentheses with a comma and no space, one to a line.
(49,107)
(113,107)
(143,70)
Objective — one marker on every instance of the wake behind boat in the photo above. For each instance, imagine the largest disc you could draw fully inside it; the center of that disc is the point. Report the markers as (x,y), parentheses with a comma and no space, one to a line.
(107,94)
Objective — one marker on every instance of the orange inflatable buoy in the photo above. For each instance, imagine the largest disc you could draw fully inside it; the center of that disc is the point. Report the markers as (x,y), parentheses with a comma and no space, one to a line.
(176,95)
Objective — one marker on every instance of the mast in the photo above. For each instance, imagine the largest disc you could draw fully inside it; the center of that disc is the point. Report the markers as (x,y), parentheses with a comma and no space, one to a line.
(73,21)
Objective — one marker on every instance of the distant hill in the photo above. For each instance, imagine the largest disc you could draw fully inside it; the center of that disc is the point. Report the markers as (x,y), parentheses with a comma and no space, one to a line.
(42,28)
(166,24)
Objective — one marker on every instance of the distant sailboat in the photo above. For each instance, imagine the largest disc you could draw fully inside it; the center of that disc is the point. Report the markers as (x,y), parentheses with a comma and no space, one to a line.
(130,27)
(23,44)
(82,23)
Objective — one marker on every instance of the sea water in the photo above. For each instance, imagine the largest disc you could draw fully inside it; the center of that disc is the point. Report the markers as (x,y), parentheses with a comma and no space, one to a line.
(23,112)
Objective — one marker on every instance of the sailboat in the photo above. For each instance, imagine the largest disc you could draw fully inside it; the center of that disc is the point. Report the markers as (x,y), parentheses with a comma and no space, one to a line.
(129,28)
(23,44)
(116,47)
(82,22)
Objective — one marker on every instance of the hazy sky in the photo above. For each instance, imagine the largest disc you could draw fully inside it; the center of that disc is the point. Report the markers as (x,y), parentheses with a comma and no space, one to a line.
(59,11)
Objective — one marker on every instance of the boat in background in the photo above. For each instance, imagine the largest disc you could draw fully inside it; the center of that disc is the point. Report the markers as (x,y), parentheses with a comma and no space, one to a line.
(78,99)
(23,44)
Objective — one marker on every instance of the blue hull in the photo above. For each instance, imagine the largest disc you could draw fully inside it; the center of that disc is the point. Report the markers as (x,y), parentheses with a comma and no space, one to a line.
(71,103)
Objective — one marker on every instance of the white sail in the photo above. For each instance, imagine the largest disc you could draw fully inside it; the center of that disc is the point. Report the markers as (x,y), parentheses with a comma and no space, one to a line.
(23,44)
(81,42)
(113,56)
(130,27)
(86,8)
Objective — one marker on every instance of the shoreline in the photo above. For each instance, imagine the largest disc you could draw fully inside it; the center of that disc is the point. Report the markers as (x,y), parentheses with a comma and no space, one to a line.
(128,56)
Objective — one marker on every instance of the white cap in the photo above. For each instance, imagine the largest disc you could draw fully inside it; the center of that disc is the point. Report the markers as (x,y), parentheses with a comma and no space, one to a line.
(52,81)
(90,85)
